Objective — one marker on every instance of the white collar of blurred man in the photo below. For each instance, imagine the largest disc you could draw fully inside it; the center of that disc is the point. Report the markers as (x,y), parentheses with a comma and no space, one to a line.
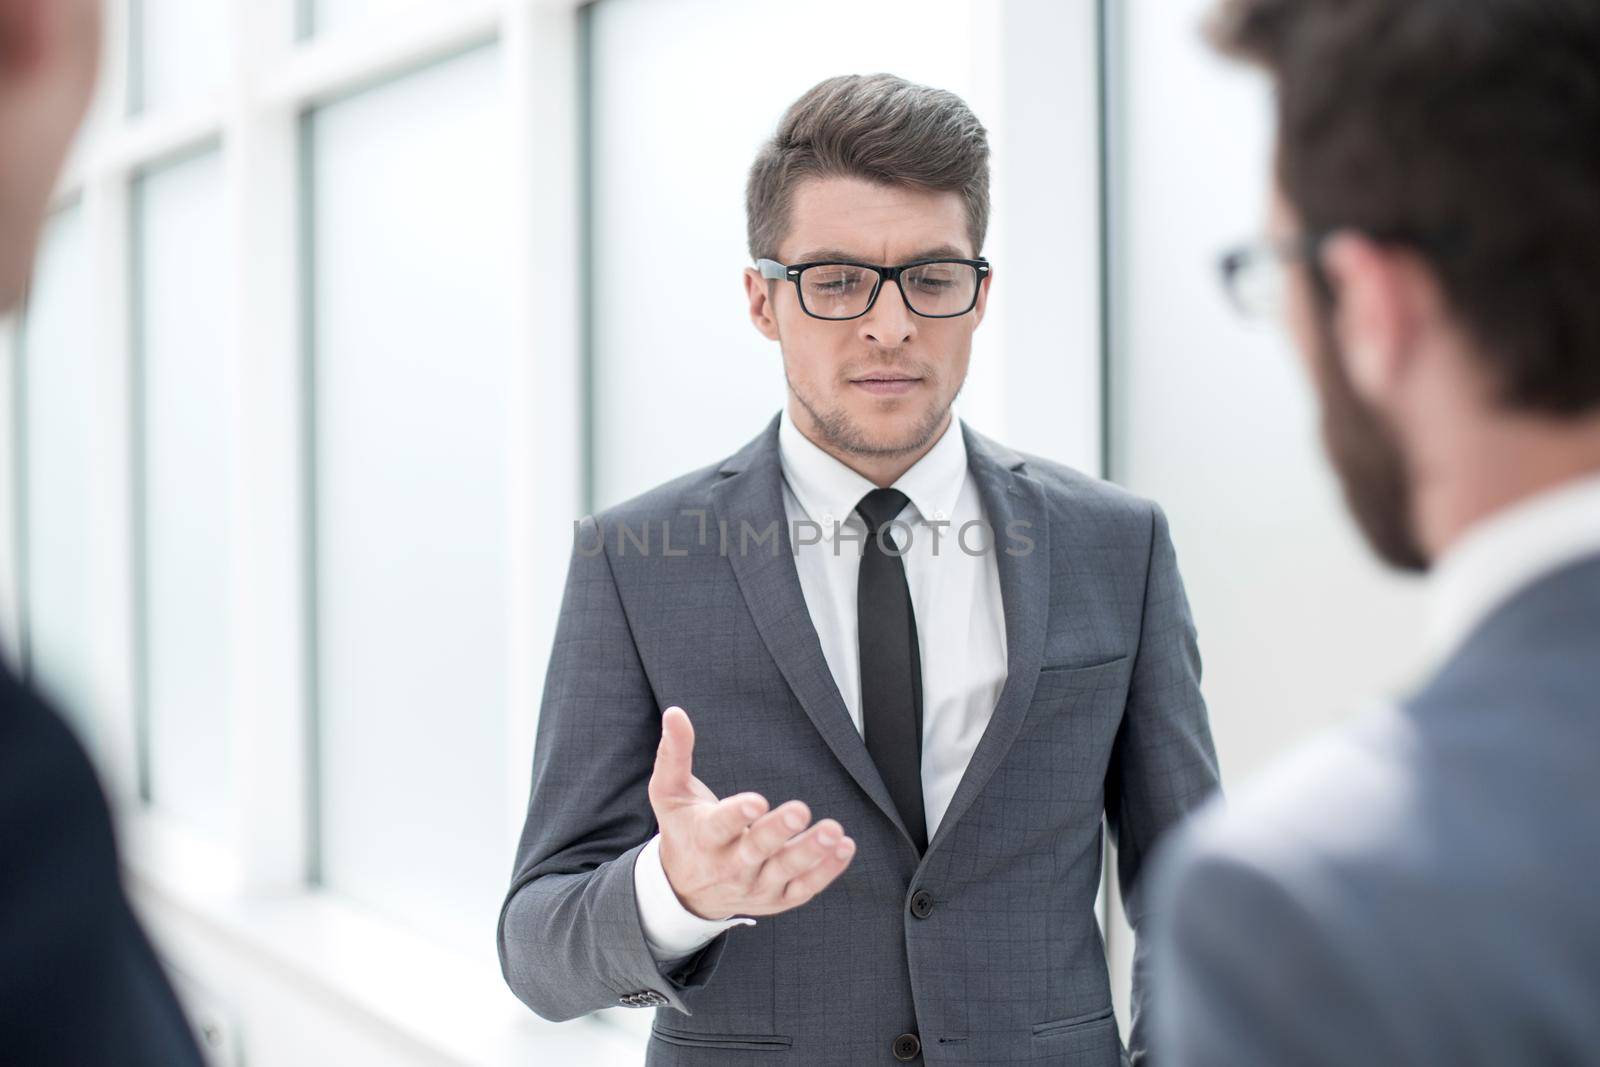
(1506,553)
(49,58)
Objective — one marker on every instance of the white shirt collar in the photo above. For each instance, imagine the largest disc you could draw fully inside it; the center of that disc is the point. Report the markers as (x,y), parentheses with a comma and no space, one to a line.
(829,491)
(1504,554)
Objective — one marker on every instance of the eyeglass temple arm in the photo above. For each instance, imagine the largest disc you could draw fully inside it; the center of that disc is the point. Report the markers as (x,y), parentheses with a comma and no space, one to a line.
(772,270)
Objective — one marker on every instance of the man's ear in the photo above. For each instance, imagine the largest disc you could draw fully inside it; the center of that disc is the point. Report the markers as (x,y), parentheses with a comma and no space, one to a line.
(1380,306)
(24,33)
(759,292)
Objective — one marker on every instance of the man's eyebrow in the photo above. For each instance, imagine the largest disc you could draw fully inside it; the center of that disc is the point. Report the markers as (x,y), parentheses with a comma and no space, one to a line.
(822,255)
(940,252)
(828,255)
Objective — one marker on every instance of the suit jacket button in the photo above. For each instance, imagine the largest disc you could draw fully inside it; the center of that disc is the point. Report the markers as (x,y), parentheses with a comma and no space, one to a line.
(922,904)
(906,1047)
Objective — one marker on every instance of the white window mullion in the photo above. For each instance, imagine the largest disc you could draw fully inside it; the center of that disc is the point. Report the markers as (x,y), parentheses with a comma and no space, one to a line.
(541,46)
(112,677)
(268,612)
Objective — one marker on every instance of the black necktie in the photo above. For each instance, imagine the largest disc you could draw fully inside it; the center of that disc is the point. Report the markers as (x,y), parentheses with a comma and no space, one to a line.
(891,665)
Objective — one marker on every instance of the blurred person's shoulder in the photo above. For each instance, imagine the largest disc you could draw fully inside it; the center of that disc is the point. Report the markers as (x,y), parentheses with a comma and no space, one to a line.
(46,776)
(1480,781)
(1436,853)
(1284,903)
(1333,810)
(82,983)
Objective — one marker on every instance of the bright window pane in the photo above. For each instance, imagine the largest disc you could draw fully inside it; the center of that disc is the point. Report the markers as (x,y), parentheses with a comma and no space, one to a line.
(411,310)
(181,266)
(59,402)
(183,54)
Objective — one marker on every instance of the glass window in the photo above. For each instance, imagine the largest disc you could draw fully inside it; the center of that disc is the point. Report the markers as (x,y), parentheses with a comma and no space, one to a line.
(181,263)
(411,311)
(58,391)
(181,53)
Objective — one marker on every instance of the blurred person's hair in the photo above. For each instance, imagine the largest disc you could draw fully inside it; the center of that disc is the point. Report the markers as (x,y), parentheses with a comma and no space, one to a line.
(876,127)
(1470,130)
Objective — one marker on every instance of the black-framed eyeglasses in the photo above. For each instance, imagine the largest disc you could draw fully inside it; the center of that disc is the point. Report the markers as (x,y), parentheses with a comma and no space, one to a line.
(1254,278)
(842,290)
(1253,274)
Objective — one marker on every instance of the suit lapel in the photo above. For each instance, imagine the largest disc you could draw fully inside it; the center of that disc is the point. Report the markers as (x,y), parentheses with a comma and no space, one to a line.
(1009,497)
(751,491)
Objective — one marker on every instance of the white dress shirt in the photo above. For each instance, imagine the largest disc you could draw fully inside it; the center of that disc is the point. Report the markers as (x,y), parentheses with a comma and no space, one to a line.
(1505,553)
(955,595)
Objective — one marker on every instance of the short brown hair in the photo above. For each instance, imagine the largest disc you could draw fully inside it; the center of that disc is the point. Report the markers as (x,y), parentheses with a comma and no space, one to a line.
(1476,121)
(877,127)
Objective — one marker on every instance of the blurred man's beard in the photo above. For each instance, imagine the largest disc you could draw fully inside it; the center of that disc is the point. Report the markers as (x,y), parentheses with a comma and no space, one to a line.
(1367,458)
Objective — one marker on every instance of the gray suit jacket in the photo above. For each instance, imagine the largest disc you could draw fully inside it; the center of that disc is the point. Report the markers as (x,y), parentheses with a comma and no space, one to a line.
(1421,889)
(1100,719)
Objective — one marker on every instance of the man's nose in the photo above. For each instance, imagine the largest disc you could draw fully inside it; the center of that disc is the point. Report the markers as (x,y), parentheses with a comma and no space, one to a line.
(890,322)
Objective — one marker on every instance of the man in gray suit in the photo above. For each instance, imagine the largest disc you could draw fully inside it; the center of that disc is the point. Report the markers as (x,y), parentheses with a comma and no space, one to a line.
(965,659)
(1420,888)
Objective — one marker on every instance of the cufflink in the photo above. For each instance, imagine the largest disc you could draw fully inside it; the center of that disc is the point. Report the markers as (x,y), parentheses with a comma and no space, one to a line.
(643,998)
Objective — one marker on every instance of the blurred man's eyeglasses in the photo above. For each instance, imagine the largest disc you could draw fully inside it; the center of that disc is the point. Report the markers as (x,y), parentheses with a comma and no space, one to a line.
(837,291)
(1255,275)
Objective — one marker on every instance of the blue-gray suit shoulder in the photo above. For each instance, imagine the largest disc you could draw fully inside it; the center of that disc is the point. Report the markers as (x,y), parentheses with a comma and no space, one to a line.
(1417,887)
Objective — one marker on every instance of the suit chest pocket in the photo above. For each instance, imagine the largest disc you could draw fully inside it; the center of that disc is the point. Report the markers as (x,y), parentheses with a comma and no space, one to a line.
(1071,727)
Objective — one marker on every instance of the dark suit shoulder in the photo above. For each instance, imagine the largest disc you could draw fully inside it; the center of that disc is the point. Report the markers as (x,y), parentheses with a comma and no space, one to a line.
(81,983)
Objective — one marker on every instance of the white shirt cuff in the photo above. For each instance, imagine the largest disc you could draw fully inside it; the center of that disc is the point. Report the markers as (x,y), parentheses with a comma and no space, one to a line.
(671,930)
